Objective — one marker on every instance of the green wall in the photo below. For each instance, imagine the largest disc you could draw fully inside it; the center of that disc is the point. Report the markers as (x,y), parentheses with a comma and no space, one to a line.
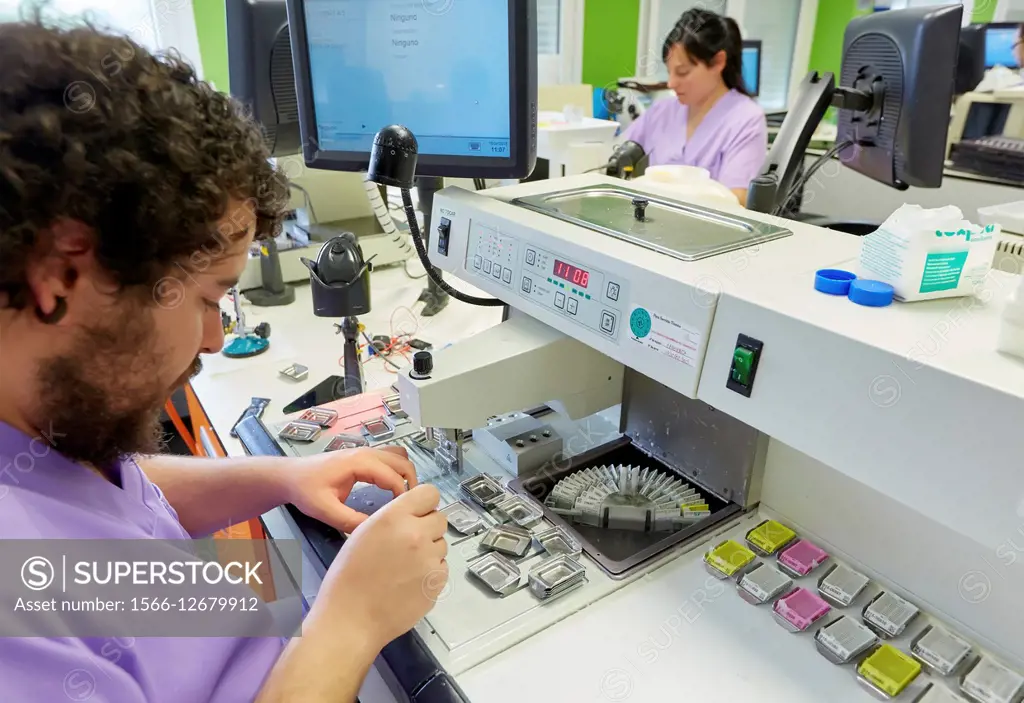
(211,26)
(610,40)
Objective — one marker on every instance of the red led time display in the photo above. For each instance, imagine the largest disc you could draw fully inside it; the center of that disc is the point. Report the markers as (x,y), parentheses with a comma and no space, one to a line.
(573,274)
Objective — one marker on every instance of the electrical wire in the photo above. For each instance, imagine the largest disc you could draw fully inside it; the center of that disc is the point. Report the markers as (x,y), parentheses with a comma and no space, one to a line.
(821,161)
(405,265)
(382,211)
(421,250)
(383,353)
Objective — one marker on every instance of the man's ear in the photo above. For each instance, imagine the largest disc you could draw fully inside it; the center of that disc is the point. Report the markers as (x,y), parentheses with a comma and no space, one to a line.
(62,255)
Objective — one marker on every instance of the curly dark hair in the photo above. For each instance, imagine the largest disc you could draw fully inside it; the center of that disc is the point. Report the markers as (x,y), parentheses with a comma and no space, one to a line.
(96,129)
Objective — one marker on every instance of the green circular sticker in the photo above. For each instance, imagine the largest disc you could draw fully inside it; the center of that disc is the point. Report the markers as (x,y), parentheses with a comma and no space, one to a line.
(640,323)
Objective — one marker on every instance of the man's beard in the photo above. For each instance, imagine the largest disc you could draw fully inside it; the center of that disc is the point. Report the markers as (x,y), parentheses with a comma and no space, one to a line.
(103,396)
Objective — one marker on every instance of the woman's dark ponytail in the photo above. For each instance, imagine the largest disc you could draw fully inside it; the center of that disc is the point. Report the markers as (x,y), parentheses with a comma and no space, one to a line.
(702,35)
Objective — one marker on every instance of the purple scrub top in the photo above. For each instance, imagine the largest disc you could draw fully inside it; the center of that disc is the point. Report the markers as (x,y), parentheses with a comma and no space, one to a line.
(731,142)
(45,496)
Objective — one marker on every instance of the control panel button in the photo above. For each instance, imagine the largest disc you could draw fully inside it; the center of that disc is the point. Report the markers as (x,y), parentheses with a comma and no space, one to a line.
(496,271)
(531,257)
(613,291)
(608,322)
(527,285)
(560,300)
(573,306)
(506,275)
(487,265)
(477,261)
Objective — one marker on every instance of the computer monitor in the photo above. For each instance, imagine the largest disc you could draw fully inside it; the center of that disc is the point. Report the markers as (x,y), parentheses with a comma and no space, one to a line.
(902,60)
(752,66)
(894,98)
(970,63)
(1000,38)
(461,76)
(260,69)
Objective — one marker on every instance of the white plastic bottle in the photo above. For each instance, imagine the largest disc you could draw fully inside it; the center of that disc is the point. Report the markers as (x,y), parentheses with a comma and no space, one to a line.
(1011,335)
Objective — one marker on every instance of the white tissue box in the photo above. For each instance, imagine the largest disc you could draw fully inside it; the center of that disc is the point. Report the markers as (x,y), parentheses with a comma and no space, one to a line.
(927,254)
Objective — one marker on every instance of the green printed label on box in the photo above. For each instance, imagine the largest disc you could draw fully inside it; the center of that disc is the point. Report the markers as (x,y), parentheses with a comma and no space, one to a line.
(942,271)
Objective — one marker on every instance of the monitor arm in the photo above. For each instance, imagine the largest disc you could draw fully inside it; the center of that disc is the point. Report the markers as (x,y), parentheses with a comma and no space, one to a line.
(816,94)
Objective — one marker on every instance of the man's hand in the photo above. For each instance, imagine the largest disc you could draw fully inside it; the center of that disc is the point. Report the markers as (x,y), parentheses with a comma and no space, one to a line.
(319,485)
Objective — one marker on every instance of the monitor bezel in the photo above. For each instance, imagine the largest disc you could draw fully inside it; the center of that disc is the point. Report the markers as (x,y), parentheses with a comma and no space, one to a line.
(998,25)
(759,45)
(522,107)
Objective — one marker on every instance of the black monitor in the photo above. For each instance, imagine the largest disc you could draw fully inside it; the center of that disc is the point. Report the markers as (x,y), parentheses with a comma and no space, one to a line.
(970,63)
(894,98)
(904,60)
(752,66)
(1000,39)
(260,69)
(461,76)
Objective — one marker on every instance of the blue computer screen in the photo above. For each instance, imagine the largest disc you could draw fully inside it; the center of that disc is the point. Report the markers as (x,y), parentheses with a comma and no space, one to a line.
(752,68)
(999,43)
(438,67)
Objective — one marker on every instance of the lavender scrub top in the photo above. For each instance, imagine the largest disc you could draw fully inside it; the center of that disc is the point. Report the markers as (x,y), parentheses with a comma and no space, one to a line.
(731,142)
(45,496)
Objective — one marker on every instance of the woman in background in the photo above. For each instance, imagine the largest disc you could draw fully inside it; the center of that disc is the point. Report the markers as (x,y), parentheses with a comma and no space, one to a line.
(1018,48)
(712,122)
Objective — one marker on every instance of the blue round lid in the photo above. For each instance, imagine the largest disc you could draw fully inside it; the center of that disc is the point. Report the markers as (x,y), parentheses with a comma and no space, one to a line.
(833,281)
(874,294)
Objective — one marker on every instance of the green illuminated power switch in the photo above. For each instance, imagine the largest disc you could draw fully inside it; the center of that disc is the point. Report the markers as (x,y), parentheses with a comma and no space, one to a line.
(742,365)
(745,358)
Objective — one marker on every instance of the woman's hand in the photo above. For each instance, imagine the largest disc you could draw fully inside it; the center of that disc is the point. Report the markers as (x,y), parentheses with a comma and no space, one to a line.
(319,485)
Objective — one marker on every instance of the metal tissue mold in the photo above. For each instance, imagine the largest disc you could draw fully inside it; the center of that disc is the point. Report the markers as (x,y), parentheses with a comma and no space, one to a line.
(556,576)
(507,539)
(497,572)
(484,490)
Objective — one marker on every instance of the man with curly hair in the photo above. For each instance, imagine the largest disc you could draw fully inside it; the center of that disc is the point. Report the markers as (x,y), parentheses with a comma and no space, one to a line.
(130,194)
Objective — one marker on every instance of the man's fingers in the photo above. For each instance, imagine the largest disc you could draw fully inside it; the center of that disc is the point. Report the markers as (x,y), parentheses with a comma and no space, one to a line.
(340,516)
(395,449)
(421,501)
(398,459)
(435,525)
(379,473)
(441,548)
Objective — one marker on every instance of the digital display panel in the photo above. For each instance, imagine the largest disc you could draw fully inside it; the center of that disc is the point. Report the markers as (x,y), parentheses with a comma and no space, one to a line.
(573,274)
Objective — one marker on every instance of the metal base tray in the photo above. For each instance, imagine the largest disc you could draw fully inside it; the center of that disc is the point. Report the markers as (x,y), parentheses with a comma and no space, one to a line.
(617,552)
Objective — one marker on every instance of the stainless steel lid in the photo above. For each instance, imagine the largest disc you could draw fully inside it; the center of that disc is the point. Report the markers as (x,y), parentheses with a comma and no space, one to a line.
(686,232)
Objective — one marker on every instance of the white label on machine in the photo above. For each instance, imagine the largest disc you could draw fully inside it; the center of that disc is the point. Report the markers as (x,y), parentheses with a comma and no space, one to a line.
(664,335)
